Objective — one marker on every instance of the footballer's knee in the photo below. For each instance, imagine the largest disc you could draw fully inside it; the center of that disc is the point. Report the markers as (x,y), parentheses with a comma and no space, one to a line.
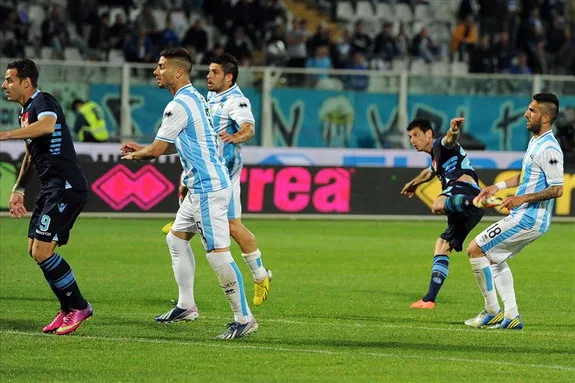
(30,243)
(174,237)
(473,250)
(41,251)
(438,207)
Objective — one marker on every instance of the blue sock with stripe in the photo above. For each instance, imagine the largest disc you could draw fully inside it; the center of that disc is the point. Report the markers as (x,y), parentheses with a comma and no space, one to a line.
(439,272)
(60,277)
(459,203)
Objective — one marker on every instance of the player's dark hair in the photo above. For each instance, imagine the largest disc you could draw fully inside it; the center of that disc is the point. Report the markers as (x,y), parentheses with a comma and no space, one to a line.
(181,55)
(422,123)
(76,104)
(550,103)
(26,69)
(229,65)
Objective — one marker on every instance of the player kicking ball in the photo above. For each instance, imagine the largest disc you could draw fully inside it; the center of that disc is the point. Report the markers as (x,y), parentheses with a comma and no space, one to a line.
(458,199)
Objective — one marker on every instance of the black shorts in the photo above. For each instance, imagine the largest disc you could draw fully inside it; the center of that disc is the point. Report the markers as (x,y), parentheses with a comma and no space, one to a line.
(55,211)
(459,225)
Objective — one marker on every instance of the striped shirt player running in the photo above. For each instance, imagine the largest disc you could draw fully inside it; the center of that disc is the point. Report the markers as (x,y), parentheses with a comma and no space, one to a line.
(234,122)
(187,129)
(540,182)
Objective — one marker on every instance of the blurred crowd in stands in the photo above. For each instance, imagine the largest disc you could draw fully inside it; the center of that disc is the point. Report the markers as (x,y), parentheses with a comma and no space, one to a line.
(491,36)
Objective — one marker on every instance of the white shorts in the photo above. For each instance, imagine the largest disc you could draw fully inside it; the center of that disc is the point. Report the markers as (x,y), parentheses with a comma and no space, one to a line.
(210,212)
(235,210)
(185,221)
(504,239)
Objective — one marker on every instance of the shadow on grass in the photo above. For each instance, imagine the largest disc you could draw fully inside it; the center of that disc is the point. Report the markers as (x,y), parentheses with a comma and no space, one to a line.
(29,299)
(24,325)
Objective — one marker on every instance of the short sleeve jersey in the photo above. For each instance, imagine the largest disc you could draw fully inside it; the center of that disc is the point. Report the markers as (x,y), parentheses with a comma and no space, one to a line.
(53,155)
(542,167)
(449,164)
(188,124)
(230,109)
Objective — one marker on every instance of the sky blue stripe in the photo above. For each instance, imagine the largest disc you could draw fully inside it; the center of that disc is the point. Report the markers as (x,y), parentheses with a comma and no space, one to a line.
(212,145)
(231,210)
(243,302)
(165,139)
(57,133)
(207,228)
(440,258)
(66,281)
(185,147)
(548,209)
(51,262)
(488,278)
(441,268)
(259,261)
(62,277)
(450,162)
(500,238)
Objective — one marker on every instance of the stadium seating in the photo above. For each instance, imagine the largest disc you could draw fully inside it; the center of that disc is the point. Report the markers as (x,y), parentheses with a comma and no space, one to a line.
(344,11)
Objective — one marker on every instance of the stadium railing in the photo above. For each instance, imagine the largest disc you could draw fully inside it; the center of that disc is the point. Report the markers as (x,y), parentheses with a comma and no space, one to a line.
(78,76)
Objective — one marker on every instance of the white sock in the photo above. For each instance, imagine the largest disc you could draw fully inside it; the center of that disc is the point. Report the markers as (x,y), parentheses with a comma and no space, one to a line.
(504,283)
(482,271)
(254,262)
(232,284)
(184,266)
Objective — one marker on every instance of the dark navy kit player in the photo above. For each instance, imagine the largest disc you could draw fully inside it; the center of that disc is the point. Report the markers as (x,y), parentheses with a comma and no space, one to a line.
(460,187)
(63,188)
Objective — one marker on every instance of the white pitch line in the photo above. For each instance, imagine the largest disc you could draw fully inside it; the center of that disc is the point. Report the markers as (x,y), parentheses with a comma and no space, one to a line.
(223,344)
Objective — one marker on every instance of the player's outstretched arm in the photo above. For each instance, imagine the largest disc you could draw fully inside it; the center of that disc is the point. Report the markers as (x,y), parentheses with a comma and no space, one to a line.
(425,176)
(452,135)
(45,125)
(154,150)
(555,191)
(129,147)
(492,189)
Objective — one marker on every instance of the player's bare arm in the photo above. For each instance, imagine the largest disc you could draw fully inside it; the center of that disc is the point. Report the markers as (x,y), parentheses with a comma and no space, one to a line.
(551,192)
(16,203)
(491,190)
(154,150)
(131,146)
(453,133)
(426,175)
(245,133)
(44,126)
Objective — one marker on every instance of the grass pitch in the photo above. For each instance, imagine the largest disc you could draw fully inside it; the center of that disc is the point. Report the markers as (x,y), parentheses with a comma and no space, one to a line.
(338,309)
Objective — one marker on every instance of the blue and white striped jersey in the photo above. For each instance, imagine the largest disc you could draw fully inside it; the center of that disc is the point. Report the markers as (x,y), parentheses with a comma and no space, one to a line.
(188,124)
(230,109)
(542,167)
